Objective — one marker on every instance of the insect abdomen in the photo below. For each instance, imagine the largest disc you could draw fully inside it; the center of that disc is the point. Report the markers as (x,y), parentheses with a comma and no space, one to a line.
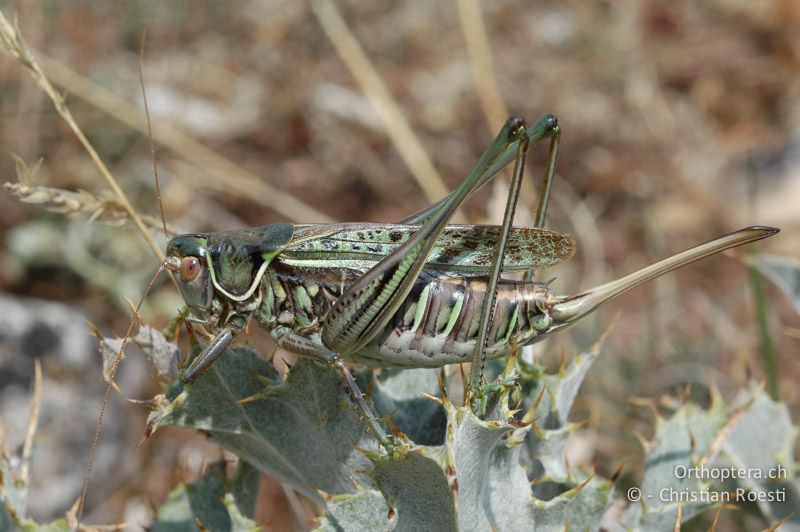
(438,323)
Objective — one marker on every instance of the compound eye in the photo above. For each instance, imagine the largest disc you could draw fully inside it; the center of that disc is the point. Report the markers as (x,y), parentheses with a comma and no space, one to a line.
(190,269)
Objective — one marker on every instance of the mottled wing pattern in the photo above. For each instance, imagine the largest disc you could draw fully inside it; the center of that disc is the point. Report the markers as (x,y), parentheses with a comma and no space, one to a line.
(460,248)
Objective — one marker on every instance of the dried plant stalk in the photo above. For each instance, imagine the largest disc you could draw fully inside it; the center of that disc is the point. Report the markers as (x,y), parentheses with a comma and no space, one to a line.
(11,41)
(397,127)
(104,208)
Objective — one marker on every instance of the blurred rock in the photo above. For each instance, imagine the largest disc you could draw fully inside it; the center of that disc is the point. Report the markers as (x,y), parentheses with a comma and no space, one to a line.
(72,389)
(31,328)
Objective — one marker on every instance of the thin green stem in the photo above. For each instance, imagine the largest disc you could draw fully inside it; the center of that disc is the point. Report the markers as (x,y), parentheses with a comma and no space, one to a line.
(768,353)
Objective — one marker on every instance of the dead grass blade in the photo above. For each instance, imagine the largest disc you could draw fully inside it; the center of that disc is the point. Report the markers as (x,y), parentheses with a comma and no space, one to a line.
(30,435)
(397,127)
(216,171)
(480,56)
(105,207)
(11,41)
(494,108)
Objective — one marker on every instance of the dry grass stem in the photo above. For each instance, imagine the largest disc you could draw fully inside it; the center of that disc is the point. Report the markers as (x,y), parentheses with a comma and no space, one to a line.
(105,208)
(11,41)
(397,127)
(30,435)
(480,55)
(150,142)
(493,106)
(107,395)
(216,171)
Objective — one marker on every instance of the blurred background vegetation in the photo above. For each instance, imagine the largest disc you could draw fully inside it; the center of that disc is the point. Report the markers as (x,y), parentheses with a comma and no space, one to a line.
(681,122)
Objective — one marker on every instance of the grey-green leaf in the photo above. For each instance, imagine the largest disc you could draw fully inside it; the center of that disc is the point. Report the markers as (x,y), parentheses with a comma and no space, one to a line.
(762,442)
(680,443)
(203,505)
(304,431)
(416,488)
(398,393)
(364,511)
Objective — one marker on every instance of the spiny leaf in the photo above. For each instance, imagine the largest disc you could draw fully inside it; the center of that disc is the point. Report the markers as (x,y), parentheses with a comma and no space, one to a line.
(681,441)
(303,431)
(762,442)
(560,390)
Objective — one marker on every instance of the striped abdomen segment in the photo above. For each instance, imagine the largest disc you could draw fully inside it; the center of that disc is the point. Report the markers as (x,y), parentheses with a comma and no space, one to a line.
(438,322)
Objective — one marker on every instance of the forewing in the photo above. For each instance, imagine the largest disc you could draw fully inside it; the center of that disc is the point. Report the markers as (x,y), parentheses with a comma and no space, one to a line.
(460,248)
(470,248)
